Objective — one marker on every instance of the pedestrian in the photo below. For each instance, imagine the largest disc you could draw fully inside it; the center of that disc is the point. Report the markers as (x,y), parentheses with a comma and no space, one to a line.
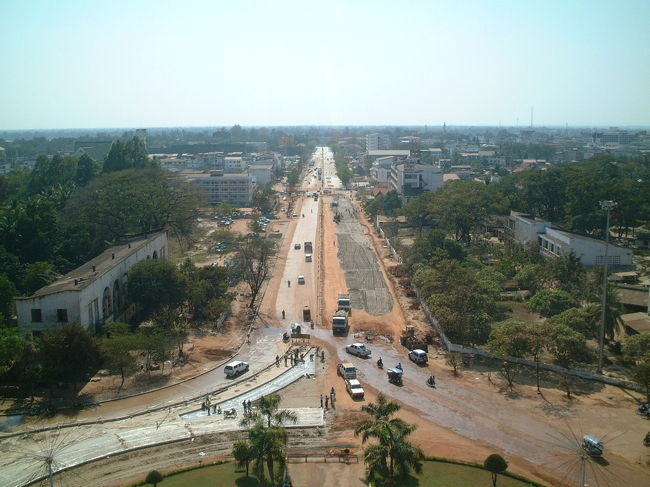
(321,400)
(249,406)
(244,404)
(214,409)
(322,356)
(332,400)
(333,391)
(327,402)
(283,314)
(277,360)
(285,359)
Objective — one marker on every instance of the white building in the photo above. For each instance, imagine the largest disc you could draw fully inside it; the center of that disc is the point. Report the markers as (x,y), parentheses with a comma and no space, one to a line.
(377,142)
(409,180)
(236,189)
(234,164)
(91,294)
(554,242)
(261,172)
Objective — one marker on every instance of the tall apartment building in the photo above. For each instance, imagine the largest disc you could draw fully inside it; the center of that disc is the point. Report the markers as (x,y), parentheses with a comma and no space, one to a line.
(218,187)
(410,180)
(377,141)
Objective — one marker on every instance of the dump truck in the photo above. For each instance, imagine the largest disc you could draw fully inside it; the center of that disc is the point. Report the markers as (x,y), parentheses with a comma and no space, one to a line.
(344,303)
(340,323)
(308,248)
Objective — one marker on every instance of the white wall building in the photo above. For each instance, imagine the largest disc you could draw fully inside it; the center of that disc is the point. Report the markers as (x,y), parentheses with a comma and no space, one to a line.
(377,141)
(411,179)
(234,164)
(261,173)
(91,294)
(554,242)
(236,189)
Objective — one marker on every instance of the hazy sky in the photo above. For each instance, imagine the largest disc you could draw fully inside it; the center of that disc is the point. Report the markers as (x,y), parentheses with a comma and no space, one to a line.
(91,63)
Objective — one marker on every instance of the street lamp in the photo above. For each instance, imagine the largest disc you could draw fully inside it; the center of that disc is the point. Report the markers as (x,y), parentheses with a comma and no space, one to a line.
(607,206)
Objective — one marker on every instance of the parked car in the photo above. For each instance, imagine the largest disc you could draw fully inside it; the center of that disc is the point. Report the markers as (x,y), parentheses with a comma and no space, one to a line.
(418,356)
(358,349)
(301,279)
(296,246)
(347,370)
(233,369)
(353,386)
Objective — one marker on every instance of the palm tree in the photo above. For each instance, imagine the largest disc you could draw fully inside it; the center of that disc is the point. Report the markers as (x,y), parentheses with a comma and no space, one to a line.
(391,434)
(267,408)
(267,445)
(244,454)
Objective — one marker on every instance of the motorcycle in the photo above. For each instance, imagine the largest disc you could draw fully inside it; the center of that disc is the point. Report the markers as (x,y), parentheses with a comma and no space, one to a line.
(380,364)
(431,381)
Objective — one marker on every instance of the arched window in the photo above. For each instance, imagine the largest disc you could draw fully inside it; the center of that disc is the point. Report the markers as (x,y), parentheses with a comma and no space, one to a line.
(107,305)
(117,296)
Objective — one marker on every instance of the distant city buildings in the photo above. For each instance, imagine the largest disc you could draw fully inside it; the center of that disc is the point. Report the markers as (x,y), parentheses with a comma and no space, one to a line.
(377,141)
(220,187)
(410,180)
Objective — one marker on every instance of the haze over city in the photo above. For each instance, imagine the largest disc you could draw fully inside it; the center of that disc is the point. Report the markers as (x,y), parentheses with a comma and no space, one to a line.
(77,64)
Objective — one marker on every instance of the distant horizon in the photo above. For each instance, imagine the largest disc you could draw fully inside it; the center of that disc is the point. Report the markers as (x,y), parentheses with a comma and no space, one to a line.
(210,63)
(429,127)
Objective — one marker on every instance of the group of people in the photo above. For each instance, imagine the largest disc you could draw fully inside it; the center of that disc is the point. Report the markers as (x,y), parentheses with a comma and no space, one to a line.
(248,408)
(328,399)
(206,405)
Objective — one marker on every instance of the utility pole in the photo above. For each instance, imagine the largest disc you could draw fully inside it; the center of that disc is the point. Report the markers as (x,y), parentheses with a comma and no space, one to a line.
(607,206)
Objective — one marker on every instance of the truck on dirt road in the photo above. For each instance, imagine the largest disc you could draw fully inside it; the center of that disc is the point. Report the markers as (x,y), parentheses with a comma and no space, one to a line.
(340,323)
(344,303)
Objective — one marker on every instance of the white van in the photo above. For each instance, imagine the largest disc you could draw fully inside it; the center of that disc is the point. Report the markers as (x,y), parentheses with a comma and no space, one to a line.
(233,369)
(307,257)
(418,356)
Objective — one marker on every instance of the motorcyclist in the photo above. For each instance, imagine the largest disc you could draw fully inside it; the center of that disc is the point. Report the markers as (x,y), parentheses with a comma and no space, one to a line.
(399,366)
(288,283)
(380,363)
(431,380)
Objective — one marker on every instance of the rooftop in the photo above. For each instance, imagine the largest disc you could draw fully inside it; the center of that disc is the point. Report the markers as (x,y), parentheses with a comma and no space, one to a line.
(86,274)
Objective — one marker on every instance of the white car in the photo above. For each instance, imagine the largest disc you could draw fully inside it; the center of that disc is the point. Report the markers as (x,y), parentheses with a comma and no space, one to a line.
(418,356)
(301,279)
(353,386)
(358,349)
(235,368)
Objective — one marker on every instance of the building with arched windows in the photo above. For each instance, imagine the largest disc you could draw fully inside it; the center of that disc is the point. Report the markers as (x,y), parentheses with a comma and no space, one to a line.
(93,293)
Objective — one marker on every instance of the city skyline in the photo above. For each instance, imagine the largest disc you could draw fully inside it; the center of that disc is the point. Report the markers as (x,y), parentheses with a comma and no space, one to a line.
(94,65)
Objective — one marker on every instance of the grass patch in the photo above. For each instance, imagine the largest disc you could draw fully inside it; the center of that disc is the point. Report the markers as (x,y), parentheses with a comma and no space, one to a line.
(435,473)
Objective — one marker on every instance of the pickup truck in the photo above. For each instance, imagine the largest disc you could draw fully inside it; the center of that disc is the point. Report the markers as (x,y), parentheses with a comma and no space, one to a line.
(358,349)
(353,386)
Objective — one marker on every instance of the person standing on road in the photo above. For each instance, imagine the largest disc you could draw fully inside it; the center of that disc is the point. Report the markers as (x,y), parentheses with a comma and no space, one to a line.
(244,404)
(277,361)
(327,401)
(321,400)
(283,314)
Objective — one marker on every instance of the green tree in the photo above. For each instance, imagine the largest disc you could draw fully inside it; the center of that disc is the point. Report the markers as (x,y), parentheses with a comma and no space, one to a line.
(67,353)
(7,294)
(640,373)
(154,477)
(244,454)
(132,155)
(254,259)
(583,320)
(392,203)
(510,339)
(637,348)
(269,446)
(87,170)
(154,283)
(551,302)
(117,355)
(12,345)
(495,464)
(37,275)
(394,455)
(567,347)
(268,411)
(133,202)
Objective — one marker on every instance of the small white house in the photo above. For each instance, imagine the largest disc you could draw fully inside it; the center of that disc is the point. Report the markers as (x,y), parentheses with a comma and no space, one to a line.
(91,294)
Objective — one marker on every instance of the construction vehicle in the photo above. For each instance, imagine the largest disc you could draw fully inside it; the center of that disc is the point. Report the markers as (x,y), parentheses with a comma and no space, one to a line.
(340,323)
(308,248)
(344,303)
(412,342)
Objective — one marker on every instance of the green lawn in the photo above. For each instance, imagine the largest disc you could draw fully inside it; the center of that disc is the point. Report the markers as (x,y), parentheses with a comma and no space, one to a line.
(435,474)
(439,474)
